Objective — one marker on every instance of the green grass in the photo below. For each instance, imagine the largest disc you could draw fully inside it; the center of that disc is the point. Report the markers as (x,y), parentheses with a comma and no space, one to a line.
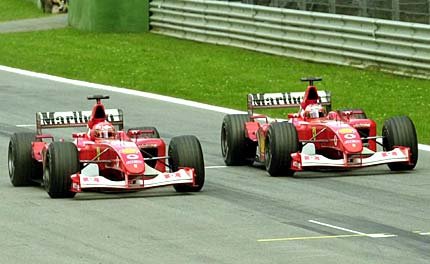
(18,9)
(210,74)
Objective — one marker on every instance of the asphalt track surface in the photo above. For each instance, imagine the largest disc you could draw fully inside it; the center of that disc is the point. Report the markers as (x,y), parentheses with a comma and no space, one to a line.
(34,24)
(241,216)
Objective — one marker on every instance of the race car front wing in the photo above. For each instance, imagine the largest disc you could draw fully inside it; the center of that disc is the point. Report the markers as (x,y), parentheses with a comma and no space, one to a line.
(82,182)
(301,161)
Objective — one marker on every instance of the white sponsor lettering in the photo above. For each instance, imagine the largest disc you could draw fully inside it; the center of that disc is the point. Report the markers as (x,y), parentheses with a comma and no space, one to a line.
(128,162)
(74,117)
(289,98)
(352,141)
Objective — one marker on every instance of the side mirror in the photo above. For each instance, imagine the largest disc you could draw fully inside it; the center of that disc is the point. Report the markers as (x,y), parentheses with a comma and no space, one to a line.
(78,135)
(134,133)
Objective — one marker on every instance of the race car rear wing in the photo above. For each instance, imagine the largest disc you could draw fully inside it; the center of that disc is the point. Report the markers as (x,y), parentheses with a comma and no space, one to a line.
(283,100)
(74,119)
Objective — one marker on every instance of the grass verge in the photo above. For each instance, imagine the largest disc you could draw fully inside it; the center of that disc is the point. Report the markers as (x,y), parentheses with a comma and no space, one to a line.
(18,9)
(210,74)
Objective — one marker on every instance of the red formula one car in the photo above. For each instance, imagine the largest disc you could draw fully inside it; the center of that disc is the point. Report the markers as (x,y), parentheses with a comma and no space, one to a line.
(315,137)
(105,158)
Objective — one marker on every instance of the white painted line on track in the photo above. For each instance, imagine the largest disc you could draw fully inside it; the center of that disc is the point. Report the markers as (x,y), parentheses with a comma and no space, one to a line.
(215,167)
(422,233)
(121,90)
(136,93)
(424,147)
(25,125)
(378,235)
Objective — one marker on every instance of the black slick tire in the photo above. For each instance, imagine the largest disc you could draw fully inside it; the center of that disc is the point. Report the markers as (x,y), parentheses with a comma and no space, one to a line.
(281,141)
(400,131)
(23,169)
(61,161)
(186,151)
(236,149)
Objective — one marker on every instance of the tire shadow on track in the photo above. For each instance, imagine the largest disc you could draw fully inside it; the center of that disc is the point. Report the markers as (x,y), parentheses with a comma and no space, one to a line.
(91,196)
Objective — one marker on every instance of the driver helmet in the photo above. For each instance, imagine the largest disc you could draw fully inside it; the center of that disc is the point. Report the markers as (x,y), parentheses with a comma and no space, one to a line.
(314,111)
(104,130)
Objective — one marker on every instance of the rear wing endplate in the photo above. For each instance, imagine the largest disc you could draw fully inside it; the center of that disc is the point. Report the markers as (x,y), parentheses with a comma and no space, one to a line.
(74,119)
(283,100)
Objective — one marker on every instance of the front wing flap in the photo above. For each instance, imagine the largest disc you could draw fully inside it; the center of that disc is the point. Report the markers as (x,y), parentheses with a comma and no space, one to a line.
(301,161)
(80,182)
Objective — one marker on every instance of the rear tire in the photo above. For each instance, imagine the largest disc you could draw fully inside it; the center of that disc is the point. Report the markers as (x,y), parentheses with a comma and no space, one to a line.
(186,151)
(281,141)
(23,169)
(236,149)
(400,131)
(61,162)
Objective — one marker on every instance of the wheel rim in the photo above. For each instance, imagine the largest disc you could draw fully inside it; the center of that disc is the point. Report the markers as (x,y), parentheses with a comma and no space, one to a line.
(11,161)
(268,154)
(46,173)
(385,141)
(224,145)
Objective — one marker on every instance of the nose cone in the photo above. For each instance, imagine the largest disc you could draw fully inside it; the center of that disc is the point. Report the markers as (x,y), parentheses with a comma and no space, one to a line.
(135,167)
(356,147)
(133,160)
(351,140)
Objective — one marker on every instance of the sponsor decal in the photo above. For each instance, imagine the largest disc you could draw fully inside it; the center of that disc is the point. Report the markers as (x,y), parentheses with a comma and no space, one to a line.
(129,151)
(91,179)
(132,156)
(314,132)
(74,117)
(352,141)
(128,162)
(148,145)
(362,125)
(172,175)
(346,130)
(288,98)
(350,136)
(98,153)
(309,157)
(275,99)
(62,118)
(391,153)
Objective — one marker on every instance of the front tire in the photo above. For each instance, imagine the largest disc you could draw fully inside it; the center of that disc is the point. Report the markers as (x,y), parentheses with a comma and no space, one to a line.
(186,151)
(61,161)
(22,167)
(281,141)
(400,131)
(236,149)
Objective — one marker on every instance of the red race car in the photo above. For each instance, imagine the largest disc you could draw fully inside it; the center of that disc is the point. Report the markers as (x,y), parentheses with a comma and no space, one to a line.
(315,137)
(104,158)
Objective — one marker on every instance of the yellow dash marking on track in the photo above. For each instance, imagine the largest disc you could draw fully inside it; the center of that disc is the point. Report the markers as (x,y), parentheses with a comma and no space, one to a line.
(308,238)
